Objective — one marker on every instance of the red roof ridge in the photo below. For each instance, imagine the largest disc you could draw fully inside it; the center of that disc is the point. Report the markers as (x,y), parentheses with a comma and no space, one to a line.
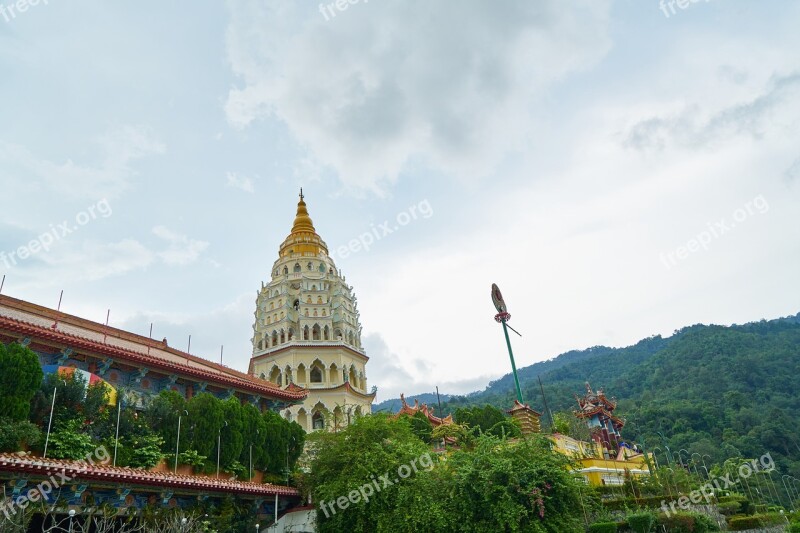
(24,463)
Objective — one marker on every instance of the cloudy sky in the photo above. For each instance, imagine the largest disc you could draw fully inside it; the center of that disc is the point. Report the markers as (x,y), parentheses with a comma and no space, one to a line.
(619,168)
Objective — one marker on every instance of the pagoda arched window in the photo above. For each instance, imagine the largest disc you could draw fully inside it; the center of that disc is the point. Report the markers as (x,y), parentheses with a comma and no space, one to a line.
(318,421)
(297,267)
(316,374)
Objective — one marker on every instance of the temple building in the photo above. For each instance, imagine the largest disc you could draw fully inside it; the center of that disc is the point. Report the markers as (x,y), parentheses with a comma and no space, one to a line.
(134,368)
(408,410)
(307,332)
(605,459)
(598,412)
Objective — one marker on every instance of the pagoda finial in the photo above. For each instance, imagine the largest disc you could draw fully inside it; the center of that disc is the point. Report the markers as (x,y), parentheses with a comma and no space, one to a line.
(301,193)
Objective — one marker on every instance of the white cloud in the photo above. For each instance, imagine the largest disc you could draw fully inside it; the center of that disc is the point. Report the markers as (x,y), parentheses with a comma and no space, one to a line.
(381,85)
(239,182)
(774,109)
(386,369)
(26,174)
(182,250)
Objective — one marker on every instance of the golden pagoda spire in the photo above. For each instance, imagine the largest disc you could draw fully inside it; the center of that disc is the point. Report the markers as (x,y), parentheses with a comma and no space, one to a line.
(302,222)
(303,237)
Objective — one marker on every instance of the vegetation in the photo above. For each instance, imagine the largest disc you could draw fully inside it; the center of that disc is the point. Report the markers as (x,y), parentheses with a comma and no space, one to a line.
(20,378)
(83,420)
(489,485)
(17,435)
(739,398)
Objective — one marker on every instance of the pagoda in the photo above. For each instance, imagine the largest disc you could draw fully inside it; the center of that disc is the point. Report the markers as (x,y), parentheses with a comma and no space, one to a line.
(307,332)
(598,412)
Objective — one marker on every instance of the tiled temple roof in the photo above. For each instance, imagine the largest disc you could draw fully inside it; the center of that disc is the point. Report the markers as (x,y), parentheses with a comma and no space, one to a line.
(24,319)
(22,464)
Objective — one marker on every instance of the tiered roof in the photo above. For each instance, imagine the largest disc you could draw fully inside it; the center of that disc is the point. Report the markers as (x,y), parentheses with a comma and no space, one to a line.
(406,409)
(597,404)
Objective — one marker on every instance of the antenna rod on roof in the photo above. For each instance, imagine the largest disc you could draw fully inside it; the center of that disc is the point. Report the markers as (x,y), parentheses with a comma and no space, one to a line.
(61,296)
(189,348)
(2,283)
(151,336)
(221,347)
(105,333)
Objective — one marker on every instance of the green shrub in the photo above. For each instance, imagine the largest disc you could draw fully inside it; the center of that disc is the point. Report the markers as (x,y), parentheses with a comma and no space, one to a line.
(794,528)
(729,508)
(703,523)
(641,522)
(603,527)
(687,522)
(67,442)
(146,451)
(237,469)
(742,523)
(16,436)
(192,458)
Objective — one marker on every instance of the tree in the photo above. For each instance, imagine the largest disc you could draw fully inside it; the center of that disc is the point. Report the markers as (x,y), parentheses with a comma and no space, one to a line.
(232,436)
(162,414)
(372,446)
(497,485)
(421,426)
(205,421)
(67,441)
(17,435)
(20,378)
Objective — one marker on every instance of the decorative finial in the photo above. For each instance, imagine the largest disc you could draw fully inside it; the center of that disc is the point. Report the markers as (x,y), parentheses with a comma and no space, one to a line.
(301,193)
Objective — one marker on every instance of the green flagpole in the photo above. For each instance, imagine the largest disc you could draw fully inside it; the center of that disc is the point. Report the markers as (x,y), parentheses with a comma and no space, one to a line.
(513,365)
(502,316)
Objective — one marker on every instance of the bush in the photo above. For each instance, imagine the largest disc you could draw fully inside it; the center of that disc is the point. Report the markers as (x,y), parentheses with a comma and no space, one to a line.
(192,458)
(20,378)
(15,436)
(794,528)
(67,442)
(687,522)
(603,527)
(237,469)
(730,508)
(146,451)
(757,521)
(641,522)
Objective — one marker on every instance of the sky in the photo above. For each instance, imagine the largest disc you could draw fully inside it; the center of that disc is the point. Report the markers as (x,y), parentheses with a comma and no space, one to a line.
(620,169)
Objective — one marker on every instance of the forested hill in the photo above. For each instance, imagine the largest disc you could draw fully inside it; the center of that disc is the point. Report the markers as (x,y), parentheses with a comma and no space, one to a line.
(716,390)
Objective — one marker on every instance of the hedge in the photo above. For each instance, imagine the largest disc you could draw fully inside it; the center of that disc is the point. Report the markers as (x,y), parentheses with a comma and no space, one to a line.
(603,527)
(742,523)
(687,522)
(641,522)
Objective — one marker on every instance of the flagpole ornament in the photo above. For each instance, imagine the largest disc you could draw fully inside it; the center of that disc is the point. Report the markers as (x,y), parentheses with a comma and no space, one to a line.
(499,304)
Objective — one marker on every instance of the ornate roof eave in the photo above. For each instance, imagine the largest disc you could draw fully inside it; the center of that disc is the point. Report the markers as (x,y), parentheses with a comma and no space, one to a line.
(304,345)
(522,407)
(230,380)
(344,386)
